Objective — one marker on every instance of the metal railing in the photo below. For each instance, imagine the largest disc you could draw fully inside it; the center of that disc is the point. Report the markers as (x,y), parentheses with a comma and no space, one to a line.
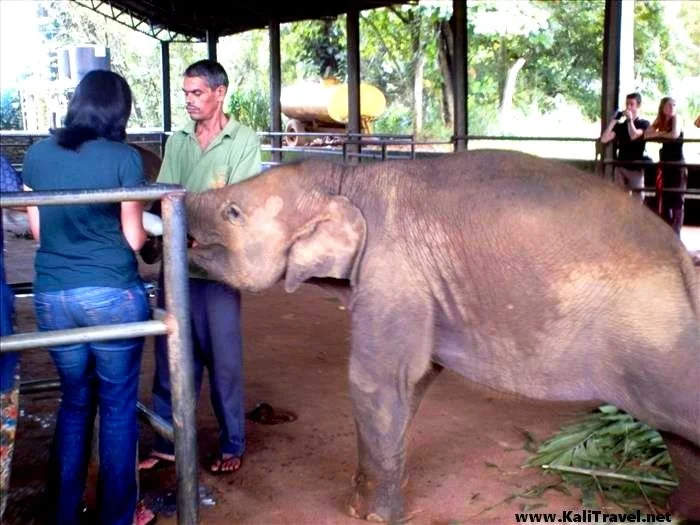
(173,322)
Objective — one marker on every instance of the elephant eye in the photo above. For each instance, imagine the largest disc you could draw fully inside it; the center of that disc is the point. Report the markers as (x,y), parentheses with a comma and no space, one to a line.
(232,213)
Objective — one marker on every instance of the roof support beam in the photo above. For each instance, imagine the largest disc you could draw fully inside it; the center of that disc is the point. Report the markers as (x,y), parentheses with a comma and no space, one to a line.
(353,32)
(459,74)
(165,84)
(212,39)
(611,70)
(275,88)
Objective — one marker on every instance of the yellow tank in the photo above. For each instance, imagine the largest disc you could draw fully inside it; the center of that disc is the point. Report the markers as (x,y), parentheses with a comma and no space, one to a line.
(323,106)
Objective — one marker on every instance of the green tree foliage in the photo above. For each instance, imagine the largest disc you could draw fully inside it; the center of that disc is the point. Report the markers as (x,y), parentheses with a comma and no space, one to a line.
(10,113)
(561,46)
(314,49)
(249,94)
(133,55)
(527,60)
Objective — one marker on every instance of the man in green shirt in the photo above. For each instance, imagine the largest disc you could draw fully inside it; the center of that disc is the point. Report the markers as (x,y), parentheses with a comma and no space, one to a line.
(212,151)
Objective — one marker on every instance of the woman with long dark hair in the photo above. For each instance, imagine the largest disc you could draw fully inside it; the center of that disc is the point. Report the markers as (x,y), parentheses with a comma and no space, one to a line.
(667,126)
(86,275)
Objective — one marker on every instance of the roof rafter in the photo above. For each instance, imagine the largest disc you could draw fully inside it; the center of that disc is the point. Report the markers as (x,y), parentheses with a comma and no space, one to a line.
(128,18)
(188,21)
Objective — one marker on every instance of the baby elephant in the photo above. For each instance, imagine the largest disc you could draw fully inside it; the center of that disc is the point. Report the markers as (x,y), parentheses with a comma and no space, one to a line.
(519,273)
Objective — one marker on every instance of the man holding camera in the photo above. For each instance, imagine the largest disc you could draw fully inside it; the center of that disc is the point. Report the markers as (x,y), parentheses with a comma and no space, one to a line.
(627,130)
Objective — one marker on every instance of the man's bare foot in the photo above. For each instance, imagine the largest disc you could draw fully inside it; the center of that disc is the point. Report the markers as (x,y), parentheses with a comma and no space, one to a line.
(156,459)
(224,464)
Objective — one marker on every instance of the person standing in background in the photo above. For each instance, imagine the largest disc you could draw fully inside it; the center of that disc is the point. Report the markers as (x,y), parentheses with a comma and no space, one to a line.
(629,143)
(212,151)
(667,126)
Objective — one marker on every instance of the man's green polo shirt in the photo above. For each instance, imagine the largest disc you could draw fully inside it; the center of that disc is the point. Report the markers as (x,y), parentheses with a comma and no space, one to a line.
(234,155)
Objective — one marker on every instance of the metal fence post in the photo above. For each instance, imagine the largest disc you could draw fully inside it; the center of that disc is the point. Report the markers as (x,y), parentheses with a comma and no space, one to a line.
(177,303)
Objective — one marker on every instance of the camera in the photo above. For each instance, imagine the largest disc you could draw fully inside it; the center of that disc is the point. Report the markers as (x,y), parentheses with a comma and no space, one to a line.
(618,115)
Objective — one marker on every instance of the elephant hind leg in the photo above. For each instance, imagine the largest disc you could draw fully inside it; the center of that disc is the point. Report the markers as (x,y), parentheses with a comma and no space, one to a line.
(685,456)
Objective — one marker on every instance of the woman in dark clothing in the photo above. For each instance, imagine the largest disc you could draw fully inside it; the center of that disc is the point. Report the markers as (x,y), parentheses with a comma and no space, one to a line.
(87,275)
(667,126)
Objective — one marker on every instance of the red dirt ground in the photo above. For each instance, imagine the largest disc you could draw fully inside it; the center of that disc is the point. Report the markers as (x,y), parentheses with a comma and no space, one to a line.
(466,447)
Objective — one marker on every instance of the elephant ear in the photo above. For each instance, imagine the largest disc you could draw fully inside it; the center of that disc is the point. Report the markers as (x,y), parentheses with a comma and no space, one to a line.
(330,245)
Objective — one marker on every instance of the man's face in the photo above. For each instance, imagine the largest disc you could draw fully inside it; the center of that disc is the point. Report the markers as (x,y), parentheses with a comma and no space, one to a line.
(632,106)
(202,102)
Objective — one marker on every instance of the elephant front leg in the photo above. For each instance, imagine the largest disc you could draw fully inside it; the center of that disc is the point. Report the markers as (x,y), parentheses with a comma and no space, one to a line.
(388,376)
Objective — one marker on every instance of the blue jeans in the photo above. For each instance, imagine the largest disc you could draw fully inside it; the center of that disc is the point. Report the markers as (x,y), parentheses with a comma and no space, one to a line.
(96,374)
(215,312)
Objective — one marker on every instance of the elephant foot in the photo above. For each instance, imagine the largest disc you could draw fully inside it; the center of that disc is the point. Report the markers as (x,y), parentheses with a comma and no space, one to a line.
(373,503)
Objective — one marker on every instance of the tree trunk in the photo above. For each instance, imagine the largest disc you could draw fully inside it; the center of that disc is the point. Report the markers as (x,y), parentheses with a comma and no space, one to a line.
(506,109)
(446,59)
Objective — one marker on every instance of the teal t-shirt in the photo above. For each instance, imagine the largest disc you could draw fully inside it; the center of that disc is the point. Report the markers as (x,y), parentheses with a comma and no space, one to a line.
(82,245)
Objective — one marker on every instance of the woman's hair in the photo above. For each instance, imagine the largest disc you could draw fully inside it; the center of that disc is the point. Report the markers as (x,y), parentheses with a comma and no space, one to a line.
(660,122)
(99,108)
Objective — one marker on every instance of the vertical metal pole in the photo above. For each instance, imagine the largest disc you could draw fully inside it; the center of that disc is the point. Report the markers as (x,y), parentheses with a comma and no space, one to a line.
(353,32)
(212,39)
(165,85)
(275,88)
(461,126)
(177,304)
(611,71)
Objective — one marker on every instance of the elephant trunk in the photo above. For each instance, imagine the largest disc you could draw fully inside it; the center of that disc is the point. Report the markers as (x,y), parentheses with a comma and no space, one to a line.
(194,205)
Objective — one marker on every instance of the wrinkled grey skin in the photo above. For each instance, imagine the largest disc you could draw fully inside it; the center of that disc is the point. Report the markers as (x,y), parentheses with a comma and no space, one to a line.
(518,273)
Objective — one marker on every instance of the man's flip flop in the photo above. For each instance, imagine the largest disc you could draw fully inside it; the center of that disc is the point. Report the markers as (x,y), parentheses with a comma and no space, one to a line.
(220,459)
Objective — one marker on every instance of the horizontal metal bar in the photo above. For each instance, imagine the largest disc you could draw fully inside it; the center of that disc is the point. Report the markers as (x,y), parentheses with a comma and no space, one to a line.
(651,163)
(160,425)
(555,139)
(338,134)
(37,386)
(16,342)
(42,198)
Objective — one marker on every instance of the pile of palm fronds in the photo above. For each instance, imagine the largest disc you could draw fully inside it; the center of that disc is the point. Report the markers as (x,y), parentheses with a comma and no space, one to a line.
(610,455)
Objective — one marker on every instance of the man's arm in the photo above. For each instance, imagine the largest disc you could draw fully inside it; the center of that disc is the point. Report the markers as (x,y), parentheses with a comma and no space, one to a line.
(33,217)
(633,131)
